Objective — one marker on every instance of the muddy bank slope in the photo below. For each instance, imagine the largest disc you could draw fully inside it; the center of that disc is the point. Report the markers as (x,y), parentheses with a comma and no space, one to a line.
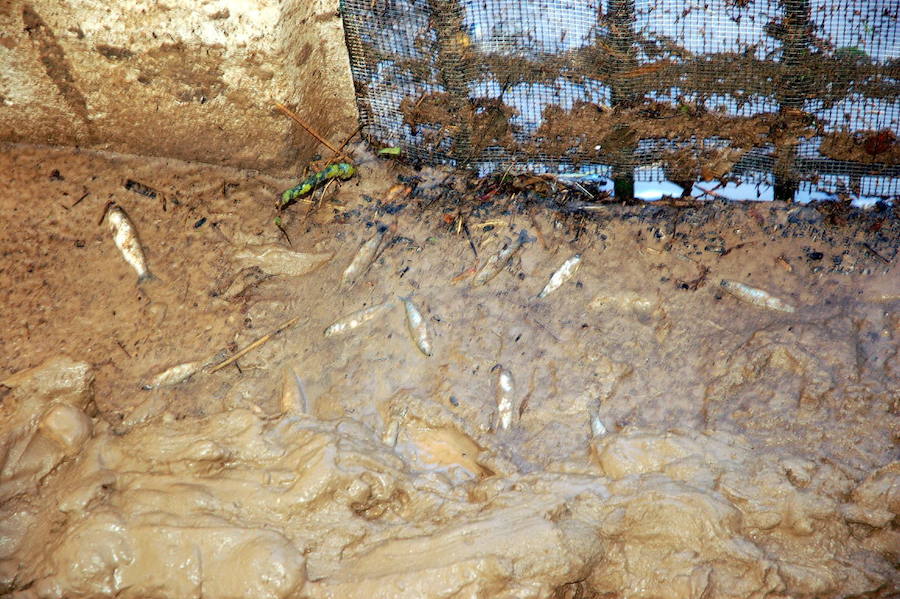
(667,435)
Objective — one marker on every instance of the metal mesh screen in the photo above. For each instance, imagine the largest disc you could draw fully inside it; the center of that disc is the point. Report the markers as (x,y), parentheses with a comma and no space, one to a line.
(789,92)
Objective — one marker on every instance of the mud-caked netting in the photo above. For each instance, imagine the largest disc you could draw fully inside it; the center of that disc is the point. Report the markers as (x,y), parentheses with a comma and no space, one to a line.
(792,93)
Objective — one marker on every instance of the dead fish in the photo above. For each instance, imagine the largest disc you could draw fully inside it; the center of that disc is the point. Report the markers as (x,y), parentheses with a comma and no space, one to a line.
(277,260)
(392,430)
(126,239)
(363,258)
(293,395)
(351,321)
(505,392)
(597,427)
(174,375)
(498,261)
(563,274)
(418,330)
(755,296)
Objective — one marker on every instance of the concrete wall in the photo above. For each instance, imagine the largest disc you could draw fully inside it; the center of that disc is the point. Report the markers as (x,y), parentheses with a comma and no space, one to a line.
(191,79)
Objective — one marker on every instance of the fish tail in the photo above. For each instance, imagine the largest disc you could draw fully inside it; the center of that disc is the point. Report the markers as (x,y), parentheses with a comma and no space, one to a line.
(147,276)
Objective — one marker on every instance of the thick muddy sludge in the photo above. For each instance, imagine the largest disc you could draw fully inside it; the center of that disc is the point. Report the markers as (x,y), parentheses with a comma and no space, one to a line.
(704,405)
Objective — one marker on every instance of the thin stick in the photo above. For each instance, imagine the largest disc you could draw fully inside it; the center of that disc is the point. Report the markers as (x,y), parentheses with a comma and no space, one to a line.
(122,347)
(309,129)
(581,187)
(509,168)
(352,135)
(344,145)
(710,192)
(78,201)
(469,237)
(254,345)
(882,258)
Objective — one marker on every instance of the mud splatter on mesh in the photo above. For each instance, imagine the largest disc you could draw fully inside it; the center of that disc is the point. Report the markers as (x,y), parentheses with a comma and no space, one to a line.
(787,92)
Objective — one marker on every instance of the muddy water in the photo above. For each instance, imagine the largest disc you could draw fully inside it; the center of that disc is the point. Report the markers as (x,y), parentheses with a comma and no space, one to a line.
(666,438)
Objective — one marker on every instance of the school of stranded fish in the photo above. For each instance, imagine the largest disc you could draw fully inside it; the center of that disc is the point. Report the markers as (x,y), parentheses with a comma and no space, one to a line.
(126,239)
(242,503)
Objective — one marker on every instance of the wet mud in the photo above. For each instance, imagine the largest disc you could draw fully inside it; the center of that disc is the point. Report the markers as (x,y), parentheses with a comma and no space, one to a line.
(623,426)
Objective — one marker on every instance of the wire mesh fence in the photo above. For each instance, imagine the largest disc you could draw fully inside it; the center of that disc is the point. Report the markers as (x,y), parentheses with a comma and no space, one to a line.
(789,92)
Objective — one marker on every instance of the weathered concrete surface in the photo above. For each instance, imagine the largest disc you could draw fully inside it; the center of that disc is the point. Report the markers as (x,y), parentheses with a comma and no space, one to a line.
(189,79)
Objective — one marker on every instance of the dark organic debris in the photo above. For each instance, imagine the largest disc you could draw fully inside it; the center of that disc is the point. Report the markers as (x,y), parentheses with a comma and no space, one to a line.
(137,187)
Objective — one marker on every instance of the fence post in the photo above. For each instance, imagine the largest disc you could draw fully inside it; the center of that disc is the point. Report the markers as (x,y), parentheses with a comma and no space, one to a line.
(447,17)
(791,93)
(621,19)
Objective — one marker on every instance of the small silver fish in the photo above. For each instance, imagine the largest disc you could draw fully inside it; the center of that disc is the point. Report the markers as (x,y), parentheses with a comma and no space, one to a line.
(173,376)
(293,395)
(392,430)
(563,274)
(755,296)
(505,392)
(598,429)
(418,330)
(498,261)
(351,321)
(363,258)
(126,239)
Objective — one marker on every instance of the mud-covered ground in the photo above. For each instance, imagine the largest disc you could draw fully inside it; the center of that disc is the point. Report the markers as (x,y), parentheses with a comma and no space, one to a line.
(667,438)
